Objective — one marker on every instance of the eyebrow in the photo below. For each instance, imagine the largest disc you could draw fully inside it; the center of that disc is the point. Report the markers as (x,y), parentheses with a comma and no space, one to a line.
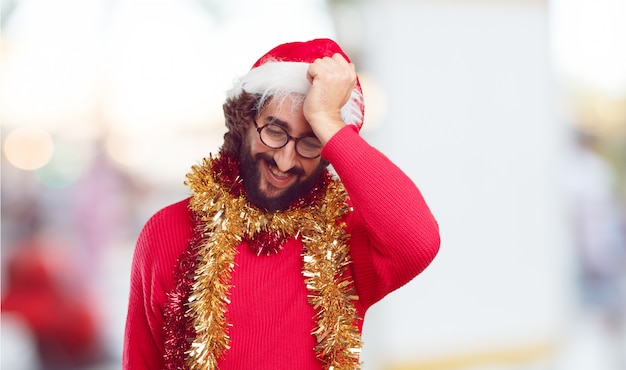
(276,121)
(285,125)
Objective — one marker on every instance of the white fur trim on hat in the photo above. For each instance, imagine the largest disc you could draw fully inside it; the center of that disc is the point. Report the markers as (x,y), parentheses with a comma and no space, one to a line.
(282,78)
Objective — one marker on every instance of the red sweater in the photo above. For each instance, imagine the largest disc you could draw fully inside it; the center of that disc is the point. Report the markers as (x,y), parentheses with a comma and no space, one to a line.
(393,238)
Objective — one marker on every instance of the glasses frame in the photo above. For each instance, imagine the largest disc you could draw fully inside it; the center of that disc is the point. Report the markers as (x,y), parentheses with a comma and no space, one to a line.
(289,138)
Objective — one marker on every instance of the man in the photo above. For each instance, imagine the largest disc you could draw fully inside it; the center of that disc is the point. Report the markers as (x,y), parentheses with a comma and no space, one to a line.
(272,263)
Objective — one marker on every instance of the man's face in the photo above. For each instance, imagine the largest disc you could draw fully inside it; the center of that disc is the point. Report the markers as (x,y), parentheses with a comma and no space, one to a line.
(273,178)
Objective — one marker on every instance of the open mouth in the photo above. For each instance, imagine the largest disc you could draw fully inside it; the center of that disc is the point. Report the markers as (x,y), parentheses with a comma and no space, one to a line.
(276,177)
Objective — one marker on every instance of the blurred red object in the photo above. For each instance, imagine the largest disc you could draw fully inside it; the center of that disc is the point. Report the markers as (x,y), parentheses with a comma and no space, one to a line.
(60,318)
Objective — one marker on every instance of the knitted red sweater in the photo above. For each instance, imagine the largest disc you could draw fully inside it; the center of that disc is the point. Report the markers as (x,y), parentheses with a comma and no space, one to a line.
(393,238)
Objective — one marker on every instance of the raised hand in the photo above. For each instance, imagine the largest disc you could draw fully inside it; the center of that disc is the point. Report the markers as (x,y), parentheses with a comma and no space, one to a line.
(332,81)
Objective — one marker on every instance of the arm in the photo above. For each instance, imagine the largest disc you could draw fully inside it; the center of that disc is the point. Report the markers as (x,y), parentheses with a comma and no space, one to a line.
(394,234)
(161,241)
(143,341)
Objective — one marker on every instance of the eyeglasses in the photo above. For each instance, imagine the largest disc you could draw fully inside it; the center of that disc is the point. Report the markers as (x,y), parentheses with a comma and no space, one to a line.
(275,136)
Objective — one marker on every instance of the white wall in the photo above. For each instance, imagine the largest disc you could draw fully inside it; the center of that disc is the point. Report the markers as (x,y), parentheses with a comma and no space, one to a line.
(471,118)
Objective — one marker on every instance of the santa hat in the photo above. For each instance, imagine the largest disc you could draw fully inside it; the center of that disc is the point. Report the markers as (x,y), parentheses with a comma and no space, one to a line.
(283,70)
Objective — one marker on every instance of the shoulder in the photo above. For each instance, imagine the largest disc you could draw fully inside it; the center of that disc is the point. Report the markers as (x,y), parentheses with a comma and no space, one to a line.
(164,237)
(180,208)
(170,226)
(173,215)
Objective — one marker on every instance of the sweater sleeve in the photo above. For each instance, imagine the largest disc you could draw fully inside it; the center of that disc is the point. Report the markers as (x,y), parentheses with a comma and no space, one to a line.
(161,241)
(394,236)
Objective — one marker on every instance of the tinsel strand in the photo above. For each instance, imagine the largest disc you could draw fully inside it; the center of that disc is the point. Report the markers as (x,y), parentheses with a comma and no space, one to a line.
(325,260)
(177,326)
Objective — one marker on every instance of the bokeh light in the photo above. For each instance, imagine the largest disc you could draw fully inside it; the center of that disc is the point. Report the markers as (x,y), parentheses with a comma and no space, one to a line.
(128,150)
(64,168)
(28,148)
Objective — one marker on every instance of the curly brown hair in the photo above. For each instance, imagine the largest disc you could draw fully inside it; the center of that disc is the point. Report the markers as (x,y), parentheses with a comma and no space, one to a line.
(239,114)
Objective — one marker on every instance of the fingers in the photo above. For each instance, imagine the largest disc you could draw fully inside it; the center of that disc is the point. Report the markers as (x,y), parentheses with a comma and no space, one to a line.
(332,81)
(332,78)
(335,69)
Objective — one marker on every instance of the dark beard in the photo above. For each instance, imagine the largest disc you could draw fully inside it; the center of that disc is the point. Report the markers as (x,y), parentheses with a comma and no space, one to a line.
(250,173)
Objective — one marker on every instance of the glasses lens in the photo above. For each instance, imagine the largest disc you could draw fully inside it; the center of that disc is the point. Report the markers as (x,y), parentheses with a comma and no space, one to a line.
(274,136)
(309,147)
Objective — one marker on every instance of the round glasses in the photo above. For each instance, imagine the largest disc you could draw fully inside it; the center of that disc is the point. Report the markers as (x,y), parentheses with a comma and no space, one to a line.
(275,136)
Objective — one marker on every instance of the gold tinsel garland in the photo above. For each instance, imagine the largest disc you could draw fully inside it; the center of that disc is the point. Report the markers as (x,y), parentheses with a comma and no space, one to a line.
(225,218)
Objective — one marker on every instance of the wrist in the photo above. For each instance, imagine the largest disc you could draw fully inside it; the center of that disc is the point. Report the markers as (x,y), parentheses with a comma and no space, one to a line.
(325,125)
(326,129)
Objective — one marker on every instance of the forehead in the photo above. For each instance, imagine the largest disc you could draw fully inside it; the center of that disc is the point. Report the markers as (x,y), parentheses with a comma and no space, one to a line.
(287,109)
(283,103)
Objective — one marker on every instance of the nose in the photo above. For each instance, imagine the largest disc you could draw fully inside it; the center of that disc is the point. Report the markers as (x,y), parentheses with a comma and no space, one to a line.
(285,157)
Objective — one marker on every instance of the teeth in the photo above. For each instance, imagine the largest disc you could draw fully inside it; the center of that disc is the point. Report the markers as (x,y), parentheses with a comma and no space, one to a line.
(278,173)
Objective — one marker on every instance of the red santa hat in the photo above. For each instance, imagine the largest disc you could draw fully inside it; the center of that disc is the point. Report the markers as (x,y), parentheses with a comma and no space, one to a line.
(283,70)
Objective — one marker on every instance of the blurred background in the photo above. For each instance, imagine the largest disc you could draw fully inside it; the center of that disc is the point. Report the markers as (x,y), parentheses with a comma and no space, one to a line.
(510,115)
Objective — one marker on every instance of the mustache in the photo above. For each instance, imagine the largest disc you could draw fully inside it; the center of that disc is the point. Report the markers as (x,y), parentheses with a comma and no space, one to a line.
(272,163)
